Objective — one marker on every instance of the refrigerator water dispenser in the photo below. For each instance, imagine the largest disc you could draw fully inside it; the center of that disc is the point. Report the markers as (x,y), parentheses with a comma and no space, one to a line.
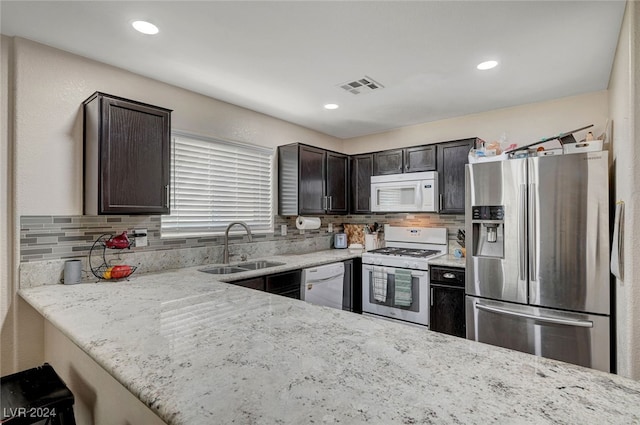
(488,231)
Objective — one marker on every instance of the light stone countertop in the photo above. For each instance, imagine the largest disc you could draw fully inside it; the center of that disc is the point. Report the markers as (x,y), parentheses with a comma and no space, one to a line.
(291,262)
(449,260)
(198,351)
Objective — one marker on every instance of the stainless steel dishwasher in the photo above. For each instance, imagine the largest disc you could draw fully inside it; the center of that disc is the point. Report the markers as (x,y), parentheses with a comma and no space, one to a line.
(323,285)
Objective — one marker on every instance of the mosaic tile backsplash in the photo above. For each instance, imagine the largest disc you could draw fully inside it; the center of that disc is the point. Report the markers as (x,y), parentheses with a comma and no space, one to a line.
(64,237)
(47,242)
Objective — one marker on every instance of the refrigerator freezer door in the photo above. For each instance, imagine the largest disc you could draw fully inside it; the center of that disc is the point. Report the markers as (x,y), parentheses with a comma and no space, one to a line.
(569,232)
(497,273)
(577,338)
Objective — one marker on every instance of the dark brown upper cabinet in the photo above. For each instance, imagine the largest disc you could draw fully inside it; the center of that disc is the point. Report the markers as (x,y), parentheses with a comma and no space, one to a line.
(452,157)
(420,158)
(126,156)
(361,172)
(407,160)
(312,181)
(388,162)
(337,188)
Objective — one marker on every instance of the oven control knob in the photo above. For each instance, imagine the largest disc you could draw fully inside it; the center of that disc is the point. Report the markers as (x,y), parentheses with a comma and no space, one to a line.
(415,265)
(378,261)
(406,264)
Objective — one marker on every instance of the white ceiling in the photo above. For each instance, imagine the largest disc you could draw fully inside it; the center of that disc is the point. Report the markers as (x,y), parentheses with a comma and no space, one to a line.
(288,58)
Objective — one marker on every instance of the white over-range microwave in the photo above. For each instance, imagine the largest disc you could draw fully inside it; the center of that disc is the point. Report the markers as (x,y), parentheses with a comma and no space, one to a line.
(405,192)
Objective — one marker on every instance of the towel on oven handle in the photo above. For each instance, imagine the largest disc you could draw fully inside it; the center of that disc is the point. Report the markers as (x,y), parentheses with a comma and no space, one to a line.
(403,295)
(379,284)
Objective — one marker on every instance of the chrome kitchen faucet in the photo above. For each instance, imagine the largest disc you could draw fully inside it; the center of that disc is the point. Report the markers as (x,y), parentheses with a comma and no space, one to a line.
(226,238)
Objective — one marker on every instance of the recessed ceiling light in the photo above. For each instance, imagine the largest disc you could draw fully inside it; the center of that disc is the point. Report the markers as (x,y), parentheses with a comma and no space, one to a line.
(487,65)
(331,106)
(145,27)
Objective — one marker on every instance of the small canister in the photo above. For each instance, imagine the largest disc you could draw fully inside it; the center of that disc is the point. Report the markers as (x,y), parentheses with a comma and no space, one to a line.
(340,241)
(72,272)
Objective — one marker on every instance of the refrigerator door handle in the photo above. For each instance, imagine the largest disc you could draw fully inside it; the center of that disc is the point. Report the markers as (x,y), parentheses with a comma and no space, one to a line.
(533,234)
(546,319)
(522,229)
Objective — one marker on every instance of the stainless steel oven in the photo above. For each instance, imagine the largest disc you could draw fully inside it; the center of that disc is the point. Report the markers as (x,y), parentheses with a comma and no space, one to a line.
(395,279)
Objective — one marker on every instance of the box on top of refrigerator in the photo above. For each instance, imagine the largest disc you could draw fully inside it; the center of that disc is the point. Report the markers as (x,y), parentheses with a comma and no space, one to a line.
(579,147)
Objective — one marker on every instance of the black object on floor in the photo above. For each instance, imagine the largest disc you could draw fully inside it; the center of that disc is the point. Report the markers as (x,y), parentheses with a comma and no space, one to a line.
(36,396)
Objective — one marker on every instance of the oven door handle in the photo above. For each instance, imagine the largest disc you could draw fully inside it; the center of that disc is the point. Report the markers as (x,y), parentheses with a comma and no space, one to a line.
(391,270)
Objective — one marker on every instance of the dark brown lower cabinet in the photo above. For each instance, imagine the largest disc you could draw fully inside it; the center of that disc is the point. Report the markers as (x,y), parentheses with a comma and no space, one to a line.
(286,284)
(352,288)
(253,283)
(447,301)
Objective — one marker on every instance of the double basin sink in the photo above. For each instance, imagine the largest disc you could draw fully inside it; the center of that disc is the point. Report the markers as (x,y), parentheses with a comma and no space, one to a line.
(242,267)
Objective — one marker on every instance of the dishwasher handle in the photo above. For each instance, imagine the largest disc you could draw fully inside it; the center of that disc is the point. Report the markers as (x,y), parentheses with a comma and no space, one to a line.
(325,279)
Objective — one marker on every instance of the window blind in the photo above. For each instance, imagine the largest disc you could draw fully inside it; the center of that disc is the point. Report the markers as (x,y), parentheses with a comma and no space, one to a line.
(215,182)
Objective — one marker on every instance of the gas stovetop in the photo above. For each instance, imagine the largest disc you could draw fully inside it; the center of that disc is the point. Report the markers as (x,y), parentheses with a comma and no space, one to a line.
(408,247)
(406,252)
(407,258)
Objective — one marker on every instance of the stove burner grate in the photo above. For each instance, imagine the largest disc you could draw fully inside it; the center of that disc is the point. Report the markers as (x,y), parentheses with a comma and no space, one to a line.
(405,252)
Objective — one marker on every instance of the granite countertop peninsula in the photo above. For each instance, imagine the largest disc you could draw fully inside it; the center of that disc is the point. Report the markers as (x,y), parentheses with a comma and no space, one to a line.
(200,351)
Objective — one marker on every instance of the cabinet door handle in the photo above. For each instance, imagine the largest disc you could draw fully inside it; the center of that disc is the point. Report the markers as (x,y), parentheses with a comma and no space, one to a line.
(166,192)
(330,202)
(440,208)
(431,297)
(449,276)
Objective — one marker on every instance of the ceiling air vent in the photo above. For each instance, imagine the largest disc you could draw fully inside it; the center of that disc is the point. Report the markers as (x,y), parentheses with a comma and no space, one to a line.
(361,85)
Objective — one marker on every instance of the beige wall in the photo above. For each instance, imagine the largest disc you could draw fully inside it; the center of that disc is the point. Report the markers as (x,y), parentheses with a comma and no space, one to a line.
(6,224)
(50,88)
(624,95)
(522,125)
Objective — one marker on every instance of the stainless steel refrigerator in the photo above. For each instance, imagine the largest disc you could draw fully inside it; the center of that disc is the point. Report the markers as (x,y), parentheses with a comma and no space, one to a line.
(537,267)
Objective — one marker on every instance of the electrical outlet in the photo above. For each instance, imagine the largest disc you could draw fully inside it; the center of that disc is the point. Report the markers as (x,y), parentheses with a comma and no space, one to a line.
(330,227)
(283,230)
(139,237)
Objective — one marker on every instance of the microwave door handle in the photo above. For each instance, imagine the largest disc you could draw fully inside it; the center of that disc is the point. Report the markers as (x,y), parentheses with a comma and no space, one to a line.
(373,198)
(419,195)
